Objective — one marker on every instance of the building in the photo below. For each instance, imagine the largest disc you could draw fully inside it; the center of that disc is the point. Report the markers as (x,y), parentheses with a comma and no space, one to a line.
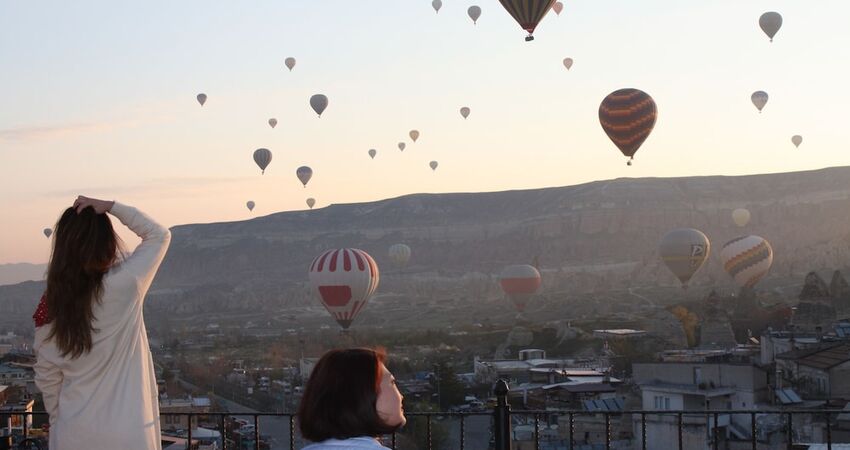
(531,363)
(197,405)
(821,372)
(15,406)
(773,343)
(619,333)
(725,386)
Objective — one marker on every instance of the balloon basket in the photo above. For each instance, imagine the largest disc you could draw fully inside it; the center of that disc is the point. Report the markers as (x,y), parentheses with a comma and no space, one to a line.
(529,38)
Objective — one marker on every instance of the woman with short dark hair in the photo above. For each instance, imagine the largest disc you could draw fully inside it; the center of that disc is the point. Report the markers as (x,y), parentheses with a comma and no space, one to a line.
(350,400)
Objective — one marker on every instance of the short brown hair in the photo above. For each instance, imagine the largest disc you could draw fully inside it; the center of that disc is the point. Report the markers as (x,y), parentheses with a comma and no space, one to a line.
(339,401)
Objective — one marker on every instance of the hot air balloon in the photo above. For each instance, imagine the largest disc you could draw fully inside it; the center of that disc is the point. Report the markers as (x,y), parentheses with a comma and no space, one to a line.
(759,98)
(47,232)
(399,254)
(311,202)
(741,217)
(304,174)
(474,12)
(568,63)
(528,13)
(402,146)
(684,251)
(272,122)
(628,116)
(747,259)
(770,22)
(437,4)
(372,153)
(558,7)
(290,63)
(797,140)
(433,165)
(250,205)
(344,279)
(464,112)
(319,102)
(262,156)
(520,283)
(202,98)
(414,135)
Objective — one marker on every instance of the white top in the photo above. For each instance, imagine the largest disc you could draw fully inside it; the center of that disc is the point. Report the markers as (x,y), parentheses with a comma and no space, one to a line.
(107,399)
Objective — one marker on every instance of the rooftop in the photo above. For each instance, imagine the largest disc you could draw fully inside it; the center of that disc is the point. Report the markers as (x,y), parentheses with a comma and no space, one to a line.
(822,357)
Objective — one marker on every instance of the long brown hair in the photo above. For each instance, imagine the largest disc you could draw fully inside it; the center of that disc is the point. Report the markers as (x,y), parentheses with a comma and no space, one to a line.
(85,246)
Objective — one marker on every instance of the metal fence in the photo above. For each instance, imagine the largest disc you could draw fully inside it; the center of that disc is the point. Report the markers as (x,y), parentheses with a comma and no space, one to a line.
(708,423)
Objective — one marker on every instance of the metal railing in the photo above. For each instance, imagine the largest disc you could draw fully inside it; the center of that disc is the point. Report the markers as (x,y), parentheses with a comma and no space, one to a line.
(711,427)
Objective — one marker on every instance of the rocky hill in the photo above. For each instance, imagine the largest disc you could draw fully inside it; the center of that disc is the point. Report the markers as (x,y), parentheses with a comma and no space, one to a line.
(586,238)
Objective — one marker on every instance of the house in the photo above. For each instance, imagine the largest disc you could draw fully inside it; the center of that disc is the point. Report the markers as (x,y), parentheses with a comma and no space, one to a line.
(821,372)
(698,386)
(15,409)
(523,369)
(168,406)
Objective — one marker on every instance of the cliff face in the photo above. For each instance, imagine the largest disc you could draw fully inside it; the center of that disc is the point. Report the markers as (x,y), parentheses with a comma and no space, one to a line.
(589,237)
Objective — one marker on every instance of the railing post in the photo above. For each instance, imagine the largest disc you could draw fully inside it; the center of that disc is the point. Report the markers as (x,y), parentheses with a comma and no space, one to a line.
(607,431)
(828,433)
(429,438)
(790,431)
(462,432)
(256,432)
(643,430)
(502,417)
(536,431)
(189,440)
(716,432)
(223,434)
(292,433)
(753,430)
(572,419)
(681,447)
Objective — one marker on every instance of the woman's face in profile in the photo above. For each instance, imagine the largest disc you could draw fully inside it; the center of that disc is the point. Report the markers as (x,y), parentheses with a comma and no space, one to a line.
(389,400)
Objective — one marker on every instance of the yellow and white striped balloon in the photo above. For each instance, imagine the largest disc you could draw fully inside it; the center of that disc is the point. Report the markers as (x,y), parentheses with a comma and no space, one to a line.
(747,259)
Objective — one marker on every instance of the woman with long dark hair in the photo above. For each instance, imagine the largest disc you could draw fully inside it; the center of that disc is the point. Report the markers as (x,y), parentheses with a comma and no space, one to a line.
(94,365)
(350,400)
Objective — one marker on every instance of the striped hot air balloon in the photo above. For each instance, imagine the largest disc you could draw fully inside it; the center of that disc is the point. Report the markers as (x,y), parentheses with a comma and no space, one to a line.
(344,279)
(520,283)
(528,13)
(747,259)
(400,254)
(628,116)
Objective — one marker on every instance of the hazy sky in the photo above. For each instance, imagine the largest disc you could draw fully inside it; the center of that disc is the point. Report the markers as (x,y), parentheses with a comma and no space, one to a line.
(98,98)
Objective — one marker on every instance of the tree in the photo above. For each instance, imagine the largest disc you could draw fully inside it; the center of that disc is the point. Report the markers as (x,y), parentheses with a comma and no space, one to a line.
(450,390)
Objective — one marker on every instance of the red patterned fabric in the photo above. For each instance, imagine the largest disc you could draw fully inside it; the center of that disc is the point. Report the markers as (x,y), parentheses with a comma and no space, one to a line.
(40,316)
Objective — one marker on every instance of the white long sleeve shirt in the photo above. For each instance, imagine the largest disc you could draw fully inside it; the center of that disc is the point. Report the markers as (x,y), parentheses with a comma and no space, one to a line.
(106,399)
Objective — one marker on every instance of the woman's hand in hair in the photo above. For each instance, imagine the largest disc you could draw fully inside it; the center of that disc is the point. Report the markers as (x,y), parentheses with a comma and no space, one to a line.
(99,206)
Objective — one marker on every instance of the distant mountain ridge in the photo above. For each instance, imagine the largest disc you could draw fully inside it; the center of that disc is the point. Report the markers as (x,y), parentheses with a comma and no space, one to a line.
(19,272)
(586,237)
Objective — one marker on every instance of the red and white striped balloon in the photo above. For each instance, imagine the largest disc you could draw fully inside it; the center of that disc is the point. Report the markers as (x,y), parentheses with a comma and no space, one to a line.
(344,279)
(520,283)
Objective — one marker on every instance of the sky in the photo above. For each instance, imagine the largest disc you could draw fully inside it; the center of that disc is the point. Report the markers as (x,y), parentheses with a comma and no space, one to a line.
(98,99)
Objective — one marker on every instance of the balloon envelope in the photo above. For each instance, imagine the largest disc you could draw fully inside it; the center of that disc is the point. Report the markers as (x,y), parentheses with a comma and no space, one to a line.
(568,63)
(464,112)
(250,205)
(433,165)
(47,232)
(372,153)
(527,13)
(770,22)
(319,102)
(520,283)
(290,63)
(747,259)
(684,251)
(628,117)
(273,122)
(202,98)
(399,254)
(311,202)
(558,7)
(759,98)
(262,156)
(304,174)
(402,146)
(474,12)
(796,140)
(414,135)
(344,280)
(437,4)
(741,217)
